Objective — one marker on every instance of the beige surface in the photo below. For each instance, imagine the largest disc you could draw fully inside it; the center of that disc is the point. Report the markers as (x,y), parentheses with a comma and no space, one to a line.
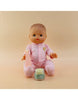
(62,31)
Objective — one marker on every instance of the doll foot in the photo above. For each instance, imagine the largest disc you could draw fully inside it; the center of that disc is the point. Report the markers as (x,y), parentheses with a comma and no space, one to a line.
(50,72)
(29,72)
(28,76)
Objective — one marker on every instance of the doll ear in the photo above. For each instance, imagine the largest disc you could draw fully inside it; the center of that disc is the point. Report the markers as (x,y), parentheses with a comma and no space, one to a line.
(46,35)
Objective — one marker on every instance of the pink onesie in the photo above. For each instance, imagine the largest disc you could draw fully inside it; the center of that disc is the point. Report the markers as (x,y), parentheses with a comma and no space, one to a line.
(38,55)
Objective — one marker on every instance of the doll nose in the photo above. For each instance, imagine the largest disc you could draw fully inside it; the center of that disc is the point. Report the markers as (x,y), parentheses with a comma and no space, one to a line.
(37,37)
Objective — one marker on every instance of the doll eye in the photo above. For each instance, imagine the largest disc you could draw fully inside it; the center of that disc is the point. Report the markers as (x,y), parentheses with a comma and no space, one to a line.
(34,35)
(41,35)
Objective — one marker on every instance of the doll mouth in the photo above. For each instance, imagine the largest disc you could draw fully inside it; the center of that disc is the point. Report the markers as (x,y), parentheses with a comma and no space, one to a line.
(37,39)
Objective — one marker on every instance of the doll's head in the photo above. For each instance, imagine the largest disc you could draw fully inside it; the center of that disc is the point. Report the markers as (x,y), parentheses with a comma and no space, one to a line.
(37,33)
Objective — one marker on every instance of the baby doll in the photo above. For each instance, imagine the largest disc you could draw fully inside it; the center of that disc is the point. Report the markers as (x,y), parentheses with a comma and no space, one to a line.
(38,51)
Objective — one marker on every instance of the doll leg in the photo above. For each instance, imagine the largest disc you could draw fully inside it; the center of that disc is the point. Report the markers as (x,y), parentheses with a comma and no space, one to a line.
(29,70)
(49,67)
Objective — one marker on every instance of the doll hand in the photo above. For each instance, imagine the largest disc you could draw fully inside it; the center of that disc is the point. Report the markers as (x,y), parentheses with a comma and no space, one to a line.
(23,58)
(53,55)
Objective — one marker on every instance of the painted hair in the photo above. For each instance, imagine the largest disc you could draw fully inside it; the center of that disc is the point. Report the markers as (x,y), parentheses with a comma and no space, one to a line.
(38,28)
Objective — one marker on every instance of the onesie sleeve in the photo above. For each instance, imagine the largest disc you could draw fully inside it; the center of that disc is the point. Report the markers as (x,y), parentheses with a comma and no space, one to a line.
(48,51)
(28,48)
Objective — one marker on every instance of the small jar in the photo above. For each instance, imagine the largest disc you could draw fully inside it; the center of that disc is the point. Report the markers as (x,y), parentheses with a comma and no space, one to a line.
(39,74)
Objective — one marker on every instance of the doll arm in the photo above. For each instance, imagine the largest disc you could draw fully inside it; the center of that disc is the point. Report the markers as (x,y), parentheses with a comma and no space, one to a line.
(23,58)
(50,53)
(27,49)
(53,55)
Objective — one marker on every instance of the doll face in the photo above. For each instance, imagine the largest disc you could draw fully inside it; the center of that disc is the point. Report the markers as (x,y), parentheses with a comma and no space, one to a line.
(37,36)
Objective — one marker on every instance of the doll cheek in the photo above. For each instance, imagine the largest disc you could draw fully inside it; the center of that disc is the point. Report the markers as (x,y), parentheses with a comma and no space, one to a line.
(33,38)
(43,38)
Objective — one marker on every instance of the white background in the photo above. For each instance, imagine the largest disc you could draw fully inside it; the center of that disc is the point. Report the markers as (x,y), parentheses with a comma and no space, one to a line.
(63,5)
